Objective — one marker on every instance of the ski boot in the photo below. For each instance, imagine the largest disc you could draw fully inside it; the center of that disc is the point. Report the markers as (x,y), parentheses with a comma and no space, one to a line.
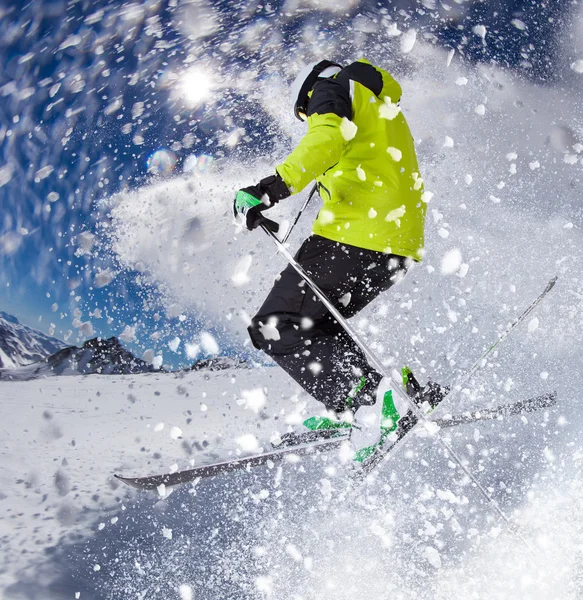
(333,425)
(397,419)
(427,398)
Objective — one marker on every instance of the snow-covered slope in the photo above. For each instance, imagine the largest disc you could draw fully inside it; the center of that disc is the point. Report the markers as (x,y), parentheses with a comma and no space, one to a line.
(21,345)
(95,356)
(418,530)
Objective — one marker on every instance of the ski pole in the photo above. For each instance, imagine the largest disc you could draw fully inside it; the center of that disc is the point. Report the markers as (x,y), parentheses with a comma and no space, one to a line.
(377,364)
(310,195)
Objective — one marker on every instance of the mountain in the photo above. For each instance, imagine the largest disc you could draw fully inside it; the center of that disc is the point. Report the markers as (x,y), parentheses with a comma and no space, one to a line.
(21,345)
(96,356)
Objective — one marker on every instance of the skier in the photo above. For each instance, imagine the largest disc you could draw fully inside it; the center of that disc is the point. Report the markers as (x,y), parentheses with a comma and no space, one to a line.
(360,151)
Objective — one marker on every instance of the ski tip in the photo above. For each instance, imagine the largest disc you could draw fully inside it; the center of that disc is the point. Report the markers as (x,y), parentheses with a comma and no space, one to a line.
(551,283)
(134,482)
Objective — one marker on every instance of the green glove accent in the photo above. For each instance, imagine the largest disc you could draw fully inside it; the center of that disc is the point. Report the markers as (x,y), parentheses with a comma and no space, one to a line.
(244,201)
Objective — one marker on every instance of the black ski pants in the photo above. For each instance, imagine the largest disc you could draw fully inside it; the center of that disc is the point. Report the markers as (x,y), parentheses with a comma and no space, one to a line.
(295,328)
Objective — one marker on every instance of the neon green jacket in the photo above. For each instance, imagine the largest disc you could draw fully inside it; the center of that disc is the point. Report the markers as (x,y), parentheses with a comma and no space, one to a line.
(360,151)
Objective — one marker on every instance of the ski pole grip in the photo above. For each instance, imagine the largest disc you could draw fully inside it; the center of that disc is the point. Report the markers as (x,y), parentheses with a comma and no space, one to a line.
(268,223)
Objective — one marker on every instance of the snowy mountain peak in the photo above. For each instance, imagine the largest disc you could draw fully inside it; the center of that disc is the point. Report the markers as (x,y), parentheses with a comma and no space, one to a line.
(21,345)
(103,356)
(9,318)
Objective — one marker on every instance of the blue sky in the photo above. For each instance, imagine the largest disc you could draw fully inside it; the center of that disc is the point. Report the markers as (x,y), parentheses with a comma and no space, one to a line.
(86,100)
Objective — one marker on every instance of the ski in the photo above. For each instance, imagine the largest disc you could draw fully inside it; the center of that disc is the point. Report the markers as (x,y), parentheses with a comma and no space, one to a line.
(291,439)
(408,422)
(500,412)
(153,482)
(313,442)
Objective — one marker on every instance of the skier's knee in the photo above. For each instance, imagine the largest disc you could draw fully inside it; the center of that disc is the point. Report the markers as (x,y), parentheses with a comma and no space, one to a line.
(262,339)
(274,335)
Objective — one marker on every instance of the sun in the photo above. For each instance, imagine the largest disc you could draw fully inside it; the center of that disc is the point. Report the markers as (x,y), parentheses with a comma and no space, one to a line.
(195,87)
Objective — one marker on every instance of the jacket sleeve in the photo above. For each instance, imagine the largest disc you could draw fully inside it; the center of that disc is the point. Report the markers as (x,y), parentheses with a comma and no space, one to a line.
(324,143)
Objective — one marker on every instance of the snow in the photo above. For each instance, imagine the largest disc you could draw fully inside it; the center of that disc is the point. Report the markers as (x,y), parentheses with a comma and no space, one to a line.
(348,129)
(56,480)
(408,41)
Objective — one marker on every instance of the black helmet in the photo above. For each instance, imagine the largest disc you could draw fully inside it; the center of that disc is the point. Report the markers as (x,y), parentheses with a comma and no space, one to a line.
(305,81)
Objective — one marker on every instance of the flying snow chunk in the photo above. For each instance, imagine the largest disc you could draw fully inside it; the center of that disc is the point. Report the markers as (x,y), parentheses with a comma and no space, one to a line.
(43,173)
(149,356)
(448,142)
(293,552)
(372,213)
(247,442)
(480,30)
(208,343)
(128,335)
(533,324)
(103,278)
(87,329)
(264,584)
(451,261)
(393,30)
(326,216)
(395,153)
(396,214)
(185,592)
(53,196)
(348,129)
(192,350)
(6,172)
(361,174)
(315,367)
(175,433)
(269,331)
(241,275)
(432,557)
(408,41)
(521,25)
(388,110)
(85,241)
(577,66)
(167,533)
(461,81)
(174,344)
(254,399)
(70,41)
(480,110)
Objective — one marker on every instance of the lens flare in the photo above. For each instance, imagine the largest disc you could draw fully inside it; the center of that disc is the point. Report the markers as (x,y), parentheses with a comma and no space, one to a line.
(197,165)
(161,162)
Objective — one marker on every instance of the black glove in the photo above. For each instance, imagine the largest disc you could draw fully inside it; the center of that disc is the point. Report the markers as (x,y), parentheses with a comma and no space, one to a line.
(251,201)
